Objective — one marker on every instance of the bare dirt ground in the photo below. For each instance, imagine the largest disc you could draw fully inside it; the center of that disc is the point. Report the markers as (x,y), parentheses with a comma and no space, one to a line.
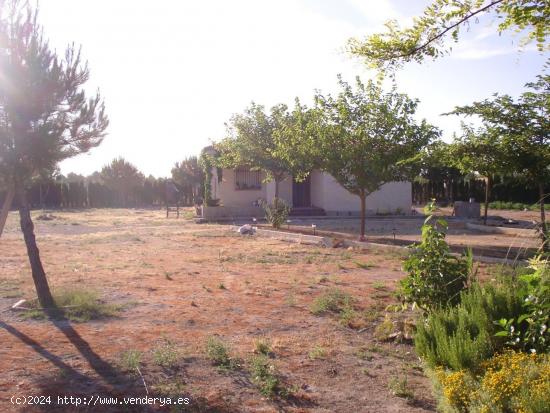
(182,282)
(406,230)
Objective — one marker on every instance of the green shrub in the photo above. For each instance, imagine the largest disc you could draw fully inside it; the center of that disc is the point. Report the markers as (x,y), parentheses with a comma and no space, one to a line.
(218,352)
(265,376)
(318,352)
(463,336)
(399,386)
(276,213)
(130,360)
(334,301)
(166,354)
(262,346)
(384,330)
(529,330)
(435,277)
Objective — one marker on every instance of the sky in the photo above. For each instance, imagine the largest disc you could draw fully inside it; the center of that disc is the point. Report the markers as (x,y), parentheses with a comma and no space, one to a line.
(172,72)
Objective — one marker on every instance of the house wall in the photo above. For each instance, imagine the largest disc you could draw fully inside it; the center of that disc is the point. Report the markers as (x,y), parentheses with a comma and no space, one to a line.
(285,191)
(317,189)
(229,195)
(328,194)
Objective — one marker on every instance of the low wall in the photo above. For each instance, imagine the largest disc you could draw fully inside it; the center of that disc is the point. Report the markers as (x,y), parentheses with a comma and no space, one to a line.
(225,212)
(332,242)
(518,232)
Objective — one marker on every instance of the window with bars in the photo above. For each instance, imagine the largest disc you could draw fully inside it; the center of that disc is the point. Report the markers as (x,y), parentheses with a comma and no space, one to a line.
(247,179)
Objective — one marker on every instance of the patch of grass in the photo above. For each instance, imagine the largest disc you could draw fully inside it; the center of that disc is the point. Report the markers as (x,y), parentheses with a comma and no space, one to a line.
(279,258)
(362,265)
(322,279)
(9,289)
(172,387)
(75,305)
(399,386)
(380,295)
(166,354)
(339,303)
(262,346)
(383,330)
(364,354)
(219,354)
(346,255)
(11,294)
(221,286)
(290,299)
(318,352)
(348,317)
(367,372)
(371,314)
(374,348)
(265,376)
(333,300)
(379,286)
(130,360)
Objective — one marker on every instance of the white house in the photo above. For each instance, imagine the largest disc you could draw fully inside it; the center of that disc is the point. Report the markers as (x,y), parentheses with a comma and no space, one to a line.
(240,189)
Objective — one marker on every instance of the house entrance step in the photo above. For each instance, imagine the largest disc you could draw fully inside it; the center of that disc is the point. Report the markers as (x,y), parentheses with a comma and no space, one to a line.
(306,211)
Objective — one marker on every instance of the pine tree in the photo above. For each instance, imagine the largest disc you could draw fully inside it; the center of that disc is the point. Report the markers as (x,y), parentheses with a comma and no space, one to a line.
(45,114)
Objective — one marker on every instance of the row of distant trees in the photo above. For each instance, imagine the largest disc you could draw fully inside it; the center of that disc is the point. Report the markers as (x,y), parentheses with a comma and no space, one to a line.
(461,187)
(118,184)
(121,184)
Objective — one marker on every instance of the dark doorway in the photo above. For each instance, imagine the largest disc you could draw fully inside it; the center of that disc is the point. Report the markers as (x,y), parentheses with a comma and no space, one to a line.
(301,193)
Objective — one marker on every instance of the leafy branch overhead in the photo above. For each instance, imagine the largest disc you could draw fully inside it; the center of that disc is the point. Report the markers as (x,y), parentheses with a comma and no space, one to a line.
(427,36)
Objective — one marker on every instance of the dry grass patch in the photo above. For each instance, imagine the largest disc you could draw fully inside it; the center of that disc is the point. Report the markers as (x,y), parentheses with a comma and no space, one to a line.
(75,305)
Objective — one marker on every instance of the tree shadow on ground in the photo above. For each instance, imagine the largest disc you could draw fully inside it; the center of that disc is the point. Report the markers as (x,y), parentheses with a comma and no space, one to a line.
(108,381)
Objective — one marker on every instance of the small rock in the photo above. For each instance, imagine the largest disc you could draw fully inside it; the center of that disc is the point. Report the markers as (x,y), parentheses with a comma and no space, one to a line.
(246,229)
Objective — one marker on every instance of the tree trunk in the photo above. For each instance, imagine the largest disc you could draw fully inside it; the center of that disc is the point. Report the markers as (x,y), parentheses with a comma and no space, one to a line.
(363,197)
(544,227)
(488,184)
(38,275)
(6,208)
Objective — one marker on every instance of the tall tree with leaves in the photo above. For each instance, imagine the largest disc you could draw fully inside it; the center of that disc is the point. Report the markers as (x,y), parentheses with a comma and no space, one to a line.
(122,177)
(436,167)
(426,37)
(189,176)
(296,141)
(480,151)
(523,127)
(369,138)
(253,142)
(45,114)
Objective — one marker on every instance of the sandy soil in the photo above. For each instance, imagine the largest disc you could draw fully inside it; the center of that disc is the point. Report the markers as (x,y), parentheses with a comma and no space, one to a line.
(184,282)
